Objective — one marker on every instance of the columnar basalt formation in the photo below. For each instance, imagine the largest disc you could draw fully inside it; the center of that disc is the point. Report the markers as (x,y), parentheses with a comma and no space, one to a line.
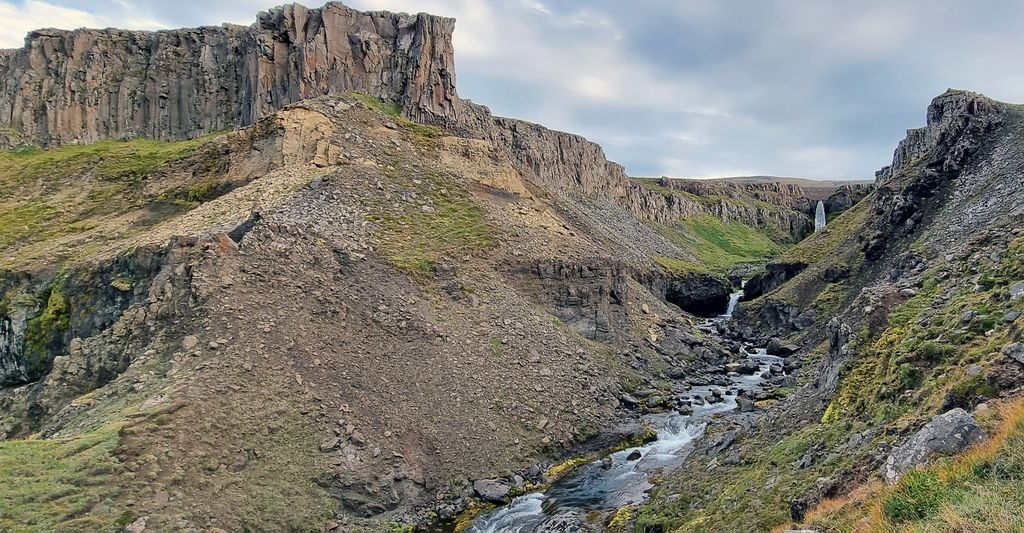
(86,85)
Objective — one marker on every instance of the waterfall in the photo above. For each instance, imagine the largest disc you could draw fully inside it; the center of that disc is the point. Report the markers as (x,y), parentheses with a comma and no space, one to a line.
(819,216)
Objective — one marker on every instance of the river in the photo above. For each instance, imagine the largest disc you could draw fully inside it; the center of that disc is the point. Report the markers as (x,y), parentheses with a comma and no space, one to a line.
(606,486)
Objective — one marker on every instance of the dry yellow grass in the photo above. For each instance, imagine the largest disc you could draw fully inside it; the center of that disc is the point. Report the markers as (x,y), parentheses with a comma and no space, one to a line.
(863,510)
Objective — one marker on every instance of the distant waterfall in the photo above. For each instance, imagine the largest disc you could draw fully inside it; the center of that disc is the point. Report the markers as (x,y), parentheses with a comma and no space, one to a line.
(819,216)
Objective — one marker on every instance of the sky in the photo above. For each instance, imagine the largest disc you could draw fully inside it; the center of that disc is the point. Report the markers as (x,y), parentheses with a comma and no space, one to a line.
(683,88)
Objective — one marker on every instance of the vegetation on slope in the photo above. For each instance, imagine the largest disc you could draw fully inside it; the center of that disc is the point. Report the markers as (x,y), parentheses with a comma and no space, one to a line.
(752,495)
(833,239)
(59,484)
(938,349)
(719,244)
(49,194)
(446,224)
(978,491)
(923,361)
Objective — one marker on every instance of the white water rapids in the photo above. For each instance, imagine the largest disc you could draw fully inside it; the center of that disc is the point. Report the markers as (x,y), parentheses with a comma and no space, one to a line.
(597,487)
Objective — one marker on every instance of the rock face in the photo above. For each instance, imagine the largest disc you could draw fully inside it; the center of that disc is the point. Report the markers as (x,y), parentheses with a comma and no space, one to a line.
(946,434)
(845,196)
(776,206)
(40,319)
(587,296)
(774,275)
(85,85)
(701,294)
(955,121)
(927,162)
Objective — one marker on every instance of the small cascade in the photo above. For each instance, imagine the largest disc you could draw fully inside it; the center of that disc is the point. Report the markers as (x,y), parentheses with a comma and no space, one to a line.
(623,478)
(734,299)
(819,216)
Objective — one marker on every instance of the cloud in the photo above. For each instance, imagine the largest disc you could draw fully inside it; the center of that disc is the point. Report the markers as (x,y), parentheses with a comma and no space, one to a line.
(32,15)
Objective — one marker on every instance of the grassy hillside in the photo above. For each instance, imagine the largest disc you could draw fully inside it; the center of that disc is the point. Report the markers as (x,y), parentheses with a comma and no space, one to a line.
(718,244)
(79,190)
(918,354)
(59,484)
(979,491)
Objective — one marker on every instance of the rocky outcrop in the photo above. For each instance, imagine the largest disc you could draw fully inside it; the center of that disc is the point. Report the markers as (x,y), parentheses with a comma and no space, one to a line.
(845,197)
(774,275)
(588,296)
(701,294)
(926,162)
(776,207)
(956,121)
(85,85)
(946,434)
(40,319)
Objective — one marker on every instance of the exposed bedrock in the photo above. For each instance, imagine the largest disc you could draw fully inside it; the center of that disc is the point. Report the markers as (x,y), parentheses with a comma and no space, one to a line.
(40,316)
(774,275)
(701,294)
(776,207)
(86,85)
(589,296)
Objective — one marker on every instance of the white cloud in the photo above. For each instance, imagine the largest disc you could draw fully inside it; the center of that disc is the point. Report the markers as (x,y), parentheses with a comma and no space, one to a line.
(19,20)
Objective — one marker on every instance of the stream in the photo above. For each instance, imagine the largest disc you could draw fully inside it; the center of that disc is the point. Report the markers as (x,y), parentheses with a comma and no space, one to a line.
(600,486)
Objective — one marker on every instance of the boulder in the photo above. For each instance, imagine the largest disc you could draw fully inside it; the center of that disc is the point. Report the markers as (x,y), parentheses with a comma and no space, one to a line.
(749,368)
(492,490)
(946,434)
(1014,351)
(776,347)
(655,401)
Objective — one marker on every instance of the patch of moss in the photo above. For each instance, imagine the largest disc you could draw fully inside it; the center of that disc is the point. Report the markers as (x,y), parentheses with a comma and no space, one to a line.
(123,283)
(450,227)
(563,469)
(44,334)
(678,266)
(639,439)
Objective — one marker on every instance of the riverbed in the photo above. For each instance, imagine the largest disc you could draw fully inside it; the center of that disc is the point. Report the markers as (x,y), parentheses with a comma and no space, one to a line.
(623,478)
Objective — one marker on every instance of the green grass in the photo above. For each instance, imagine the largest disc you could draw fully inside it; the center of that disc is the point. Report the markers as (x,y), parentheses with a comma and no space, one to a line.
(981,490)
(917,363)
(52,485)
(751,496)
(834,239)
(919,496)
(654,184)
(718,244)
(678,266)
(378,105)
(106,160)
(415,240)
(45,194)
(395,112)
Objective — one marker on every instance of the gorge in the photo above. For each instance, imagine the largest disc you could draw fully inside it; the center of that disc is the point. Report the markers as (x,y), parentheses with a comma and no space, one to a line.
(283,277)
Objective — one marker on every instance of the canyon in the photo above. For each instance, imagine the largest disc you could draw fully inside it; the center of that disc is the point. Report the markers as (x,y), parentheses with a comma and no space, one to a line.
(283,277)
